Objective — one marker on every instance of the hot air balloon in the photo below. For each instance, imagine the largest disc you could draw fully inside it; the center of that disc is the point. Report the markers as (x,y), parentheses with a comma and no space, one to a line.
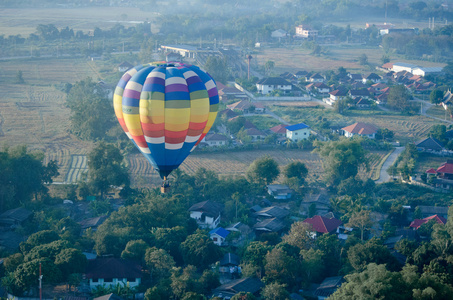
(166,109)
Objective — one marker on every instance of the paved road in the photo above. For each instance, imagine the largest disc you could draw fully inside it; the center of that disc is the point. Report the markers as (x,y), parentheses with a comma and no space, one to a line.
(384,176)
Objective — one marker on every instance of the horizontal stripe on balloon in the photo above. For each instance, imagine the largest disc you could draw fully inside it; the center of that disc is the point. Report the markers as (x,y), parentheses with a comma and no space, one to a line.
(177,96)
(154,133)
(175,80)
(210,85)
(176,88)
(175,134)
(152,79)
(134,86)
(175,140)
(176,127)
(154,96)
(130,110)
(154,87)
(194,132)
(130,95)
(153,140)
(197,125)
(214,108)
(153,127)
(197,86)
(174,146)
(192,139)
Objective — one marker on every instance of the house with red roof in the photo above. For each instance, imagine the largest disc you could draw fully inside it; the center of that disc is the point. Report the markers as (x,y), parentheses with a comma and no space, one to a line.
(247,107)
(361,129)
(335,96)
(279,129)
(444,174)
(323,224)
(419,222)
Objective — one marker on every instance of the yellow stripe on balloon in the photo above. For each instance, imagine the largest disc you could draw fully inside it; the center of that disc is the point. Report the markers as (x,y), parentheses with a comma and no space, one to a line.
(199,118)
(118,105)
(177,116)
(176,127)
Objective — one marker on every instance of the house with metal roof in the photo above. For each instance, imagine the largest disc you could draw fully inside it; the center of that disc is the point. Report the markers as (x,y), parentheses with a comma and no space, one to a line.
(215,140)
(218,235)
(322,224)
(298,132)
(429,144)
(206,213)
(111,271)
(246,284)
(269,84)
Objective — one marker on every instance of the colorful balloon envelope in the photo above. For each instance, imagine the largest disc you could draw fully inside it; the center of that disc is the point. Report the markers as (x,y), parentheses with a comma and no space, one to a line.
(166,109)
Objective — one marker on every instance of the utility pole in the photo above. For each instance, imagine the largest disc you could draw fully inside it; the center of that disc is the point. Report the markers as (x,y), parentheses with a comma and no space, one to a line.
(40,282)
(249,57)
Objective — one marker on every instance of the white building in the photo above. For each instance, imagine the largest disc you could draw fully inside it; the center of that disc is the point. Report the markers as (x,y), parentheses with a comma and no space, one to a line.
(110,271)
(206,213)
(361,129)
(215,140)
(305,31)
(267,85)
(298,132)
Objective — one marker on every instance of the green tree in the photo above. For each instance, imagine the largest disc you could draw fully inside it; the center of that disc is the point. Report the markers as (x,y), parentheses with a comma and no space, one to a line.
(299,235)
(91,112)
(19,78)
(363,59)
(398,98)
(275,291)
(375,282)
(296,170)
(361,255)
(282,266)
(11,262)
(70,261)
(361,220)
(27,273)
(269,66)
(184,281)
(39,238)
(135,250)
(253,257)
(436,96)
(242,296)
(217,68)
(263,171)
(199,250)
(342,159)
(438,132)
(106,168)
(159,263)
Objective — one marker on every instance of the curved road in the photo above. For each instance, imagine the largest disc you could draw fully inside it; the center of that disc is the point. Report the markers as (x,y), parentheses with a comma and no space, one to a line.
(384,176)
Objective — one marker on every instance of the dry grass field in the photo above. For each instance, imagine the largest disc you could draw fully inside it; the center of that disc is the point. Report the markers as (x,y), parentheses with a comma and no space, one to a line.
(296,58)
(34,113)
(25,21)
(235,163)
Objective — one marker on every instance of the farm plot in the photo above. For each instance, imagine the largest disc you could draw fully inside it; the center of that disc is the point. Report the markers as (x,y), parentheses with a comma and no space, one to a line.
(293,59)
(236,164)
(78,168)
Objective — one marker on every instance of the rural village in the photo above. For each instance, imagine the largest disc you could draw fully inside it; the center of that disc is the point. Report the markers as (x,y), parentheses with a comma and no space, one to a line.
(324,175)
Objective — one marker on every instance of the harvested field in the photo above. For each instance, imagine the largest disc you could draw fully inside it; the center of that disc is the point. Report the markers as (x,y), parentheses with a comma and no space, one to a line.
(24,21)
(235,163)
(294,59)
(35,114)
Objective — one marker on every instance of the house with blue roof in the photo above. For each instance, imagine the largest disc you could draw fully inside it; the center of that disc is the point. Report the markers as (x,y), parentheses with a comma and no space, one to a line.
(218,235)
(298,132)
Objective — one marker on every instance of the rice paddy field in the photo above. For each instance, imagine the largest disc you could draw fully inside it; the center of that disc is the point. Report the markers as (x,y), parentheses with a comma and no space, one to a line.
(235,163)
